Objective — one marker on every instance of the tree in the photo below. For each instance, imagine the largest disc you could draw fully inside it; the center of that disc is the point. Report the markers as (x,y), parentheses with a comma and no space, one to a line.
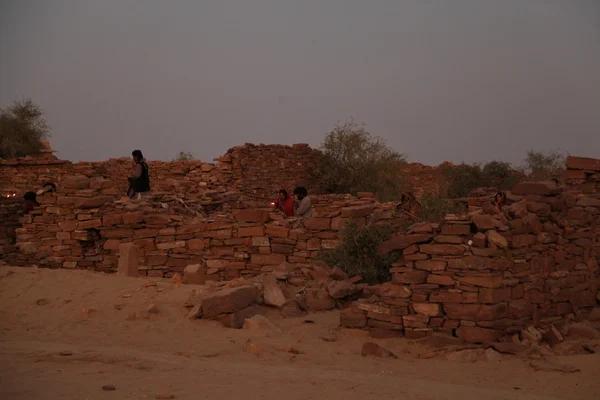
(22,130)
(500,175)
(542,166)
(182,156)
(354,161)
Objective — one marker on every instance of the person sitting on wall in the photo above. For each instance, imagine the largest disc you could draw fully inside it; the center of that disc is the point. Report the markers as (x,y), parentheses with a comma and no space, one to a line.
(303,205)
(499,201)
(140,181)
(29,204)
(285,203)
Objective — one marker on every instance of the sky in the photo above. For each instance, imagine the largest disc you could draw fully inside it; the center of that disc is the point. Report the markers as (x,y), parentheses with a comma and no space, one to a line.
(459,80)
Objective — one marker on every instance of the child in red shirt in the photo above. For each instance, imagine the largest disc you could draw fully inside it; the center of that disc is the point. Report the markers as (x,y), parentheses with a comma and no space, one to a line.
(285,203)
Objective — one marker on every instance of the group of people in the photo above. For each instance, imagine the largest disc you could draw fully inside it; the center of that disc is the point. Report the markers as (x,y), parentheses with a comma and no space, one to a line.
(297,206)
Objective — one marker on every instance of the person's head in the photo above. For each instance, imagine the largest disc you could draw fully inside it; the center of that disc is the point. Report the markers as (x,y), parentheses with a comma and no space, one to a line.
(30,196)
(137,155)
(283,194)
(500,197)
(300,192)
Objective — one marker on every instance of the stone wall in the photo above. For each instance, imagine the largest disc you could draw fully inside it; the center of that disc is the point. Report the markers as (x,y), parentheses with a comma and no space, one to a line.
(583,173)
(482,277)
(259,171)
(79,227)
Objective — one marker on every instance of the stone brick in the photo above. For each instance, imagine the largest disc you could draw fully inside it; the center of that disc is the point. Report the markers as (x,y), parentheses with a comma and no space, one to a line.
(417,276)
(445,296)
(389,289)
(448,239)
(476,312)
(267,259)
(133,218)
(496,239)
(428,309)
(440,280)
(490,296)
(76,182)
(483,281)
(442,249)
(195,244)
(157,219)
(228,300)
(583,163)
(456,229)
(128,259)
(318,224)
(536,188)
(261,241)
(400,242)
(251,215)
(475,334)
(357,211)
(194,274)
(484,222)
(520,241)
(431,265)
(251,231)
(476,263)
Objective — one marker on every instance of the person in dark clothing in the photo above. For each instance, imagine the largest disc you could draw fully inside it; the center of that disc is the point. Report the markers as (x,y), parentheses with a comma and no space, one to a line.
(285,203)
(140,181)
(30,203)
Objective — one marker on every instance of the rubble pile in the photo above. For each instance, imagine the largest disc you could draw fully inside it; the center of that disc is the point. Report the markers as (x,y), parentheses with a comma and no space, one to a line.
(483,277)
(291,289)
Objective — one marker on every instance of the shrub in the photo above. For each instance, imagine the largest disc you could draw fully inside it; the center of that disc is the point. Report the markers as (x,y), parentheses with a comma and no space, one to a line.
(434,207)
(357,254)
(462,179)
(22,130)
(500,175)
(354,161)
(542,166)
(182,156)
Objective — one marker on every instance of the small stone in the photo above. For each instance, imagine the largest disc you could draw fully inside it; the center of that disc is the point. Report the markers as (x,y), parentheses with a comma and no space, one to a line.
(329,338)
(164,396)
(497,239)
(374,350)
(273,295)
(66,353)
(427,354)
(195,312)
(492,355)
(260,322)
(255,349)
(551,366)
(152,308)
(552,336)
(109,387)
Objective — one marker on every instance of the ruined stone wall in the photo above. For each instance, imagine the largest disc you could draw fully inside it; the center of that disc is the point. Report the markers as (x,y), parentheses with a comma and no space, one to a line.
(81,228)
(259,171)
(263,170)
(482,277)
(583,173)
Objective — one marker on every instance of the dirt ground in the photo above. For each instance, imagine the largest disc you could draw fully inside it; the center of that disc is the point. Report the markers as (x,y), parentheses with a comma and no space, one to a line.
(67,334)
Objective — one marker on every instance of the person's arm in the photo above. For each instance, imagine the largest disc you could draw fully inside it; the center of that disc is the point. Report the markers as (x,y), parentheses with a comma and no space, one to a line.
(137,172)
(303,206)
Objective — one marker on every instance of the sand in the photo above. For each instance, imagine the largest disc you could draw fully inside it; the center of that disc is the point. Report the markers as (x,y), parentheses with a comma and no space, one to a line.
(67,334)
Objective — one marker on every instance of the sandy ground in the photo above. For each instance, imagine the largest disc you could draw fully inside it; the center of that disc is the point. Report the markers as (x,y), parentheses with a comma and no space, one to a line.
(66,334)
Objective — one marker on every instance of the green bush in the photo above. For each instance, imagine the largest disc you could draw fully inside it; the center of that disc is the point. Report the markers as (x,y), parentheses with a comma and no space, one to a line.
(540,166)
(354,161)
(22,130)
(357,254)
(183,156)
(464,178)
(433,207)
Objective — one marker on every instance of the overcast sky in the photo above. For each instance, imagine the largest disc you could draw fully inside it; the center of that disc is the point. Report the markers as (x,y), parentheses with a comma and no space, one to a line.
(458,80)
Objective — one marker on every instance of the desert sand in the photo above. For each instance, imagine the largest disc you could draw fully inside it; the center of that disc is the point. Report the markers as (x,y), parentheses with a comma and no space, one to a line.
(73,334)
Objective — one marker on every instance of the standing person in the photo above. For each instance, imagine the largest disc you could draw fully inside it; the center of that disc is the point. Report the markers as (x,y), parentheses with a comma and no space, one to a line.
(304,205)
(30,203)
(140,181)
(285,203)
